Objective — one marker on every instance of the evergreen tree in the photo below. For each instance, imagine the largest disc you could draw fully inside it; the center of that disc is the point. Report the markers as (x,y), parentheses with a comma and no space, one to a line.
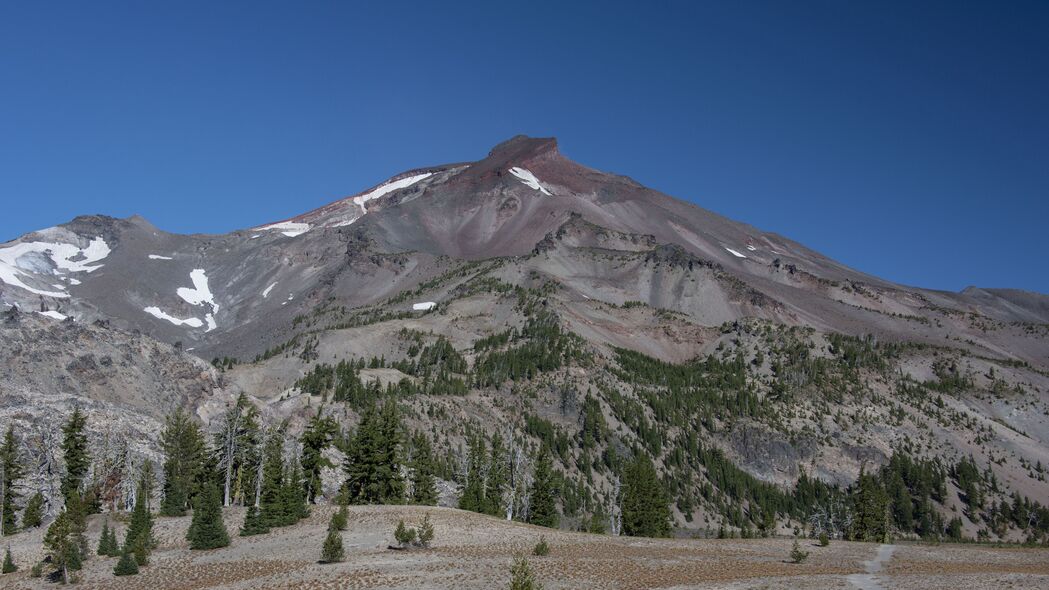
(272,501)
(33,515)
(372,466)
(183,446)
(472,496)
(9,566)
(294,496)
(107,543)
(543,508)
(318,436)
(253,523)
(426,532)
(870,508)
(139,539)
(332,551)
(341,518)
(64,540)
(10,474)
(207,531)
(645,505)
(75,453)
(497,479)
(127,566)
(424,484)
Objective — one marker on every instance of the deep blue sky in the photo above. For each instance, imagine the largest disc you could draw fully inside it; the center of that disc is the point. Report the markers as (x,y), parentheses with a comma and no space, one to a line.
(911,142)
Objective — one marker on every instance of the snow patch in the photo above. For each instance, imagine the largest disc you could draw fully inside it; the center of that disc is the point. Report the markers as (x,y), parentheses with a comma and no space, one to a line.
(529,179)
(73,281)
(424,306)
(389,187)
(25,259)
(156,312)
(200,294)
(266,292)
(289,228)
(751,248)
(735,253)
(159,257)
(53,314)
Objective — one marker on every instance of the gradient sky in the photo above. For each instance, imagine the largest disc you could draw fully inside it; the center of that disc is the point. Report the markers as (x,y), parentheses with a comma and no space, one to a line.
(909,140)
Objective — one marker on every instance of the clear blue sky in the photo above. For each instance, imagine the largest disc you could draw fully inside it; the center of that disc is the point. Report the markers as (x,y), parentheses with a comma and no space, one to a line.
(911,142)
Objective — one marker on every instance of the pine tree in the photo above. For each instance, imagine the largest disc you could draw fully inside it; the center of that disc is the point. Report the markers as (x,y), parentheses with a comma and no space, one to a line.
(139,539)
(107,543)
(318,436)
(33,515)
(295,503)
(372,466)
(426,532)
(64,540)
(544,508)
(497,478)
(183,446)
(472,496)
(253,524)
(127,566)
(522,577)
(75,453)
(207,530)
(332,551)
(870,506)
(341,518)
(646,511)
(424,484)
(273,496)
(10,474)
(9,566)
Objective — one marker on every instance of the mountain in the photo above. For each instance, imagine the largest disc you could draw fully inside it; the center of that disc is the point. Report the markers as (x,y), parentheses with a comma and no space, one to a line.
(574,308)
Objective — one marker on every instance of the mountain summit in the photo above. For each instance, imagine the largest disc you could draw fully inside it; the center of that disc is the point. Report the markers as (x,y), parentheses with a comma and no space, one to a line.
(579,310)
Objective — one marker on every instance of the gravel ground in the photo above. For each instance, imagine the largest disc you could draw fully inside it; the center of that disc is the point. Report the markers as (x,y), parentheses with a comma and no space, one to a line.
(473,551)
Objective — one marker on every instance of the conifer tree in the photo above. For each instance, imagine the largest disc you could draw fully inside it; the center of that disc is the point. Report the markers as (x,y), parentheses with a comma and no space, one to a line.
(392,482)
(10,474)
(127,566)
(33,515)
(107,543)
(341,519)
(332,551)
(497,478)
(64,540)
(472,496)
(9,566)
(372,466)
(870,506)
(75,453)
(646,511)
(295,504)
(207,531)
(272,503)
(183,446)
(253,523)
(318,436)
(424,484)
(544,508)
(139,539)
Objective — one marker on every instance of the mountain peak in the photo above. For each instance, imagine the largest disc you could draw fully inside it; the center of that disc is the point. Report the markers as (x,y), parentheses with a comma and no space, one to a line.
(523,148)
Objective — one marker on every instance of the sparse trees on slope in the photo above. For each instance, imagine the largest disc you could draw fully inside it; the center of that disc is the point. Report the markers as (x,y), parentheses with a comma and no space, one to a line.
(207,531)
(10,474)
(183,446)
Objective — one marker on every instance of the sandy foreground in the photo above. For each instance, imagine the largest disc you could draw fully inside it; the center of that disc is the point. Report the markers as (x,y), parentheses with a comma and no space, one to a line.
(475,551)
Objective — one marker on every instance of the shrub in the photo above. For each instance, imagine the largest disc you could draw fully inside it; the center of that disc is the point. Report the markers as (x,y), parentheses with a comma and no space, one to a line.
(332,551)
(542,548)
(425,532)
(341,520)
(127,566)
(9,566)
(824,540)
(796,554)
(522,577)
(403,534)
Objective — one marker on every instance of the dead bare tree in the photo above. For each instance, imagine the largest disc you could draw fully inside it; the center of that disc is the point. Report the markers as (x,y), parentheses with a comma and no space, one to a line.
(615,509)
(229,447)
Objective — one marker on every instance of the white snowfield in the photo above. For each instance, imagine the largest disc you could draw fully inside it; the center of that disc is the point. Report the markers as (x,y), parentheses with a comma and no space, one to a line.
(288,228)
(53,314)
(529,179)
(159,257)
(191,322)
(735,253)
(379,191)
(25,259)
(266,292)
(751,248)
(200,294)
(424,306)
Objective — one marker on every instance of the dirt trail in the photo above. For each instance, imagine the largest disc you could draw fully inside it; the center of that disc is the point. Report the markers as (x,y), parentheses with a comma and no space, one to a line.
(869,581)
